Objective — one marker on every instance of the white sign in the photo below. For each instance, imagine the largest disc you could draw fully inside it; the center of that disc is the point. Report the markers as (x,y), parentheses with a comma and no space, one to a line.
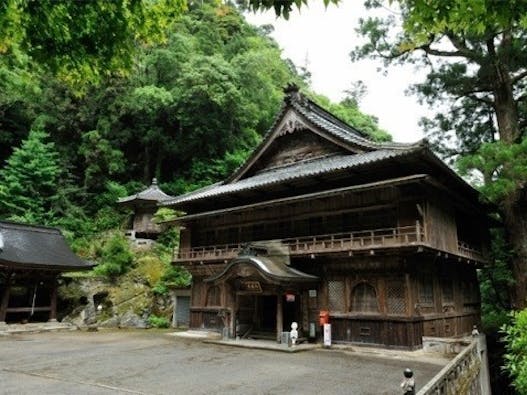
(327,335)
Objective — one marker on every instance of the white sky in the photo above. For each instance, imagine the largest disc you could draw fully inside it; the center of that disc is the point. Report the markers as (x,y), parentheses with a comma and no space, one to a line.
(325,37)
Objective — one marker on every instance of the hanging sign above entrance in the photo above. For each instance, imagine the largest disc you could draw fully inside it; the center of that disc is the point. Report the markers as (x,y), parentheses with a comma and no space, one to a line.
(253,286)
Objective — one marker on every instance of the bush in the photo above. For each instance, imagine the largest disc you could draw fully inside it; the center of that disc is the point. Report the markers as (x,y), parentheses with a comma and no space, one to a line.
(158,322)
(116,257)
(516,350)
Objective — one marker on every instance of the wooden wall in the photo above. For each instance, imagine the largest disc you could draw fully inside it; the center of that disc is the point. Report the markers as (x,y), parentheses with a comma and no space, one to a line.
(441,229)
(343,213)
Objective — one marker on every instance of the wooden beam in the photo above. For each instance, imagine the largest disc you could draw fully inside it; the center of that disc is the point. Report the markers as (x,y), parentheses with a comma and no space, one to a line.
(5,296)
(279,316)
(53,299)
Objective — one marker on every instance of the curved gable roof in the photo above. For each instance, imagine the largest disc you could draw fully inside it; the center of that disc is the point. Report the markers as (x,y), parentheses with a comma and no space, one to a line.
(269,268)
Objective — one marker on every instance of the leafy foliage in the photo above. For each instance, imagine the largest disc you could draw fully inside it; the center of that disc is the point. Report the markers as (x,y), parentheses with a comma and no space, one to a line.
(281,7)
(504,167)
(29,179)
(116,257)
(83,40)
(516,347)
(158,322)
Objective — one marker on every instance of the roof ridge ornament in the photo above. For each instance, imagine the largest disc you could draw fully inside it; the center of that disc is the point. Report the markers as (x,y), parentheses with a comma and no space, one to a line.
(291,124)
(292,93)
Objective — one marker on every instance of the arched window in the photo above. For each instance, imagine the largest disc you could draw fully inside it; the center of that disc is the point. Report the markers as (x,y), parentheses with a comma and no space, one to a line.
(364,299)
(214,296)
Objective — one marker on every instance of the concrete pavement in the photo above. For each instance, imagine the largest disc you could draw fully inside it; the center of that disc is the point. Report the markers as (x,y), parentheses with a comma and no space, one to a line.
(151,362)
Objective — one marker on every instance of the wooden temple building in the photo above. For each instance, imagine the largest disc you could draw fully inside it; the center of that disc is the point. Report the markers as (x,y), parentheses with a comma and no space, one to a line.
(144,205)
(31,260)
(384,237)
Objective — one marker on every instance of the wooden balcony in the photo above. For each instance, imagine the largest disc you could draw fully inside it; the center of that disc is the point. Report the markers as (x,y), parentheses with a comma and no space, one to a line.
(330,243)
(469,252)
(366,240)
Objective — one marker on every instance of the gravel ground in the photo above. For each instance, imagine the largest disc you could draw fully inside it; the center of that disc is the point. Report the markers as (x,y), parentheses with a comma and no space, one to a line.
(152,362)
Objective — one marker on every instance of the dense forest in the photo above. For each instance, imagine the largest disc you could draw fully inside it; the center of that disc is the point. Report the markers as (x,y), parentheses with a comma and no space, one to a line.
(188,112)
(93,107)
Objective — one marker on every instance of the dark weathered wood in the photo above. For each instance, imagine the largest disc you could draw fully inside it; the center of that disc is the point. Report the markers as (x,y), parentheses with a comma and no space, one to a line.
(4,303)
(279,318)
(53,300)
(381,237)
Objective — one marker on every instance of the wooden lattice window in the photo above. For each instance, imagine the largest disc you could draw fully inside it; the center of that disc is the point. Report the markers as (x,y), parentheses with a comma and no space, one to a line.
(336,295)
(364,299)
(396,297)
(447,289)
(426,291)
(214,296)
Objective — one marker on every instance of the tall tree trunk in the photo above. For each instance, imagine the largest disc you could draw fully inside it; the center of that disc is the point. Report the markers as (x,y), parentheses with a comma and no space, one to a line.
(514,206)
(515,213)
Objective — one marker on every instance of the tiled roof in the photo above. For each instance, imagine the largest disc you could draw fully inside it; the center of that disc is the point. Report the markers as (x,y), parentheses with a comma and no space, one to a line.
(293,171)
(153,193)
(269,267)
(327,122)
(36,246)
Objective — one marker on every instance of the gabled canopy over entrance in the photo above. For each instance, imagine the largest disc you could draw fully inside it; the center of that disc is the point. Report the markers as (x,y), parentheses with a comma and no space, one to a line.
(266,292)
(273,271)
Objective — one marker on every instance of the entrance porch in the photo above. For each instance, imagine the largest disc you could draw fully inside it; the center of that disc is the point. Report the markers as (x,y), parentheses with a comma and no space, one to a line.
(264,296)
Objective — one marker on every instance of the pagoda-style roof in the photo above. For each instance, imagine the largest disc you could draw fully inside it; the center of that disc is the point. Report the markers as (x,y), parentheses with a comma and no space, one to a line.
(150,196)
(36,247)
(308,144)
(315,167)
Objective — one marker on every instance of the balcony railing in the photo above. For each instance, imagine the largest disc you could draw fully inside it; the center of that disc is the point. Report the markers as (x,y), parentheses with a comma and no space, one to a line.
(331,243)
(463,375)
(337,242)
(469,251)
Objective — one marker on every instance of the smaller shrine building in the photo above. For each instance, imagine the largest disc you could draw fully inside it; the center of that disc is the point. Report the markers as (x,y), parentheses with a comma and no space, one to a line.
(142,229)
(31,260)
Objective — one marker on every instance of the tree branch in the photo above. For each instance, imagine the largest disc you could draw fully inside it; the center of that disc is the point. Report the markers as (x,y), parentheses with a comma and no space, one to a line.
(437,52)
(461,46)
(518,77)
(480,99)
(521,97)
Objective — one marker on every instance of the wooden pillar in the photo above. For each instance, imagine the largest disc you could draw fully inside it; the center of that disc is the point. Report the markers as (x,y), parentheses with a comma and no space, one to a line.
(234,315)
(5,297)
(53,299)
(409,295)
(279,317)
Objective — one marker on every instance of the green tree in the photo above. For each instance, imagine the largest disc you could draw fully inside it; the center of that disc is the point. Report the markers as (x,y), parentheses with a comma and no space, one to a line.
(516,350)
(81,41)
(477,56)
(28,182)
(280,7)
